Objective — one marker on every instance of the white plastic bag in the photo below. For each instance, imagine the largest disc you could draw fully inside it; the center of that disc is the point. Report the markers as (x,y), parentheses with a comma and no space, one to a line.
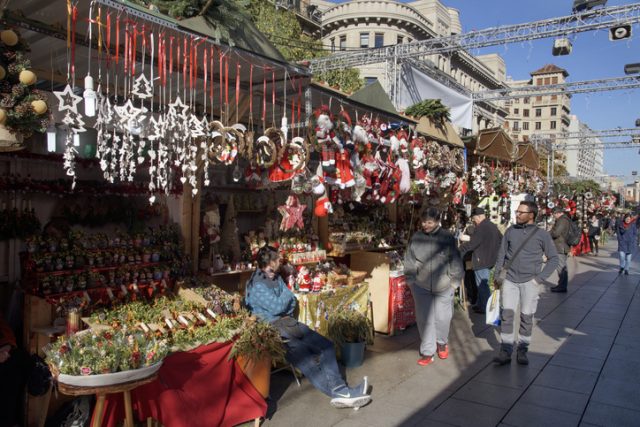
(493,309)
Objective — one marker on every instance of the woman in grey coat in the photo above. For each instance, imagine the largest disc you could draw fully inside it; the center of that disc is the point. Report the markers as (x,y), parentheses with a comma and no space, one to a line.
(433,270)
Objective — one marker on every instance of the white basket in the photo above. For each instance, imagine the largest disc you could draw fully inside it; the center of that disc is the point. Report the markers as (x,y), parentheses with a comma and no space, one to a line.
(114,378)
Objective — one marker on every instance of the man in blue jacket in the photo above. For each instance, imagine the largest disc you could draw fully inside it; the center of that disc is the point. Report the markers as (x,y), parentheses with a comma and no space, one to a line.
(270,300)
(523,279)
(484,243)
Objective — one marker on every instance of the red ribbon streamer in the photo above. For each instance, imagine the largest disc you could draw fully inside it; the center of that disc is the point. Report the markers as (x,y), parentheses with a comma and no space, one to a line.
(211,52)
(221,88)
(226,82)
(171,55)
(108,38)
(237,87)
(273,94)
(299,100)
(117,39)
(204,85)
(251,92)
(185,57)
(74,20)
(264,97)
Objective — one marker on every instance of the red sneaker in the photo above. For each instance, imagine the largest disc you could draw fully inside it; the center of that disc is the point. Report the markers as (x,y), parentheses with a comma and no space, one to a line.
(443,351)
(425,360)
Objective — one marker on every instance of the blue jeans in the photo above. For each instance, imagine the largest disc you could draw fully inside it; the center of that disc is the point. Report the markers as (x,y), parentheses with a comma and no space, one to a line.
(625,260)
(482,281)
(315,356)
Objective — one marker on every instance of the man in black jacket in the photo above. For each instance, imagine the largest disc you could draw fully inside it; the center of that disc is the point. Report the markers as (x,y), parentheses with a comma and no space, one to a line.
(559,233)
(484,243)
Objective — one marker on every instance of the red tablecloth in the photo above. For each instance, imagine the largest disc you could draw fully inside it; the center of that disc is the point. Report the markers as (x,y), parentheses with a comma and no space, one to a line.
(195,388)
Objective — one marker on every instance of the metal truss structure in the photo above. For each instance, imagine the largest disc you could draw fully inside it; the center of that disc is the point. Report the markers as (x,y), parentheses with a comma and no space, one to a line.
(586,86)
(606,133)
(561,26)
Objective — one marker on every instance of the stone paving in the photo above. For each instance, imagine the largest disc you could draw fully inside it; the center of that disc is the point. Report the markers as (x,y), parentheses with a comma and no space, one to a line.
(584,367)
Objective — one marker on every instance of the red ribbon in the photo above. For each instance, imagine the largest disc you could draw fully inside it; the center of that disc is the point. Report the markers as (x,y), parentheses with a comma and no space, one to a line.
(237,88)
(171,55)
(126,47)
(251,92)
(220,73)
(184,63)
(211,52)
(74,20)
(273,94)
(108,38)
(299,101)
(264,97)
(117,39)
(134,48)
(226,82)
(204,84)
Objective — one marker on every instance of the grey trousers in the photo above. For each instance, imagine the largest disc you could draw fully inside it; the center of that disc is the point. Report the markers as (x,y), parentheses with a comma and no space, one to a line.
(513,294)
(433,317)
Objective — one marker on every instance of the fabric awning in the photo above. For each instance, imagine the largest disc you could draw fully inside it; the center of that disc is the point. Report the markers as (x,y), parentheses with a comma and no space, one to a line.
(496,144)
(444,133)
(527,156)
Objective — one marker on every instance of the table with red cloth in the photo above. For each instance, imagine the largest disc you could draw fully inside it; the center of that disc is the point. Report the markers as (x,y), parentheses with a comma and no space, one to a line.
(201,387)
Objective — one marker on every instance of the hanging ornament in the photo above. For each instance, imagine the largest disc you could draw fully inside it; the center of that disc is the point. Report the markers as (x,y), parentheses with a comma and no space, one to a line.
(67,100)
(9,37)
(142,88)
(291,214)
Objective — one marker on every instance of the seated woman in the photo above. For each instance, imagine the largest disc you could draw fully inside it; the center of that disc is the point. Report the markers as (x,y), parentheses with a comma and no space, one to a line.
(270,300)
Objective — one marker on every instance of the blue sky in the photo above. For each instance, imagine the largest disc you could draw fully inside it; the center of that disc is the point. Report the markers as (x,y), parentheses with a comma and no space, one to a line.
(593,57)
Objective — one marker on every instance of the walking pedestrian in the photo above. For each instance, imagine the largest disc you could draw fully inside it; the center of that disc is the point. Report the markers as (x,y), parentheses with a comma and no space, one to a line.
(433,270)
(594,234)
(270,300)
(521,255)
(559,233)
(627,231)
(484,245)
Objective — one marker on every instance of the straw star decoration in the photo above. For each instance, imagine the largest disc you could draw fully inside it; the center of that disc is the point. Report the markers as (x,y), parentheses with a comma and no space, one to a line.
(291,214)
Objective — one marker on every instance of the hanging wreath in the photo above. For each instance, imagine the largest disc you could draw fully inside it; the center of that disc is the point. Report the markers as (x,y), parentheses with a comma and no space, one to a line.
(434,155)
(297,152)
(445,157)
(245,140)
(216,141)
(457,160)
(265,152)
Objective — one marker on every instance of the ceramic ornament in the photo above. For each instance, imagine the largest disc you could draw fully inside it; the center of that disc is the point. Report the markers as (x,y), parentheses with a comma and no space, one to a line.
(142,88)
(67,100)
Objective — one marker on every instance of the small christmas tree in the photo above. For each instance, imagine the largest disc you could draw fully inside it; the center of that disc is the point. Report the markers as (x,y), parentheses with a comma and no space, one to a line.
(22,108)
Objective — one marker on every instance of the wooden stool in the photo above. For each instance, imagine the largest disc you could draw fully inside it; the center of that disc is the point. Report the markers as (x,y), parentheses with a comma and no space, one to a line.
(101,393)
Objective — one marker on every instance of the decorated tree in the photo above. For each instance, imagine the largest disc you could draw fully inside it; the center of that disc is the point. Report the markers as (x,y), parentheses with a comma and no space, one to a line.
(22,108)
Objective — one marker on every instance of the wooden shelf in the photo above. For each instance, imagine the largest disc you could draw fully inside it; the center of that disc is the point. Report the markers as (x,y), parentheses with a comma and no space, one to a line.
(87,269)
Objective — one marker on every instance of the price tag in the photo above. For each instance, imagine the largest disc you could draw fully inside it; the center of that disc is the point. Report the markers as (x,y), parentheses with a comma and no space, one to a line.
(124,290)
(110,294)
(144,327)
(168,322)
(201,317)
(211,313)
(183,320)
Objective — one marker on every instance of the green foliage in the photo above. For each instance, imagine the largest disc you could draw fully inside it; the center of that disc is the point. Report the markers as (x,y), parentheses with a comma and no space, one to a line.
(433,109)
(347,80)
(579,187)
(349,326)
(257,340)
(225,16)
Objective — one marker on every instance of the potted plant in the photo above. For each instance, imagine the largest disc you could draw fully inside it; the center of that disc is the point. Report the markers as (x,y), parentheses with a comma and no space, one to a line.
(256,349)
(350,331)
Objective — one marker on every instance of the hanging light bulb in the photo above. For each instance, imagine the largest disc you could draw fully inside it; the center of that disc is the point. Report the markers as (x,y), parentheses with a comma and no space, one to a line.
(90,97)
(51,137)
(76,139)
(237,173)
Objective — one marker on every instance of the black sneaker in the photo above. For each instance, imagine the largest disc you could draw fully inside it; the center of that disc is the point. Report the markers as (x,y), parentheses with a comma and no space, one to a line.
(502,358)
(558,289)
(621,270)
(626,272)
(521,357)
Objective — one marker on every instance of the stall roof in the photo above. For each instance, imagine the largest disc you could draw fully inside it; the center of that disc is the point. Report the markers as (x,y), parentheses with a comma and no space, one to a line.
(325,95)
(374,95)
(445,133)
(494,143)
(527,156)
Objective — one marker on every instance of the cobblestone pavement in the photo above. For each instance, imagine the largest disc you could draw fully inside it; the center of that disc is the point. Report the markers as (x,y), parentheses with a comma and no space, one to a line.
(584,367)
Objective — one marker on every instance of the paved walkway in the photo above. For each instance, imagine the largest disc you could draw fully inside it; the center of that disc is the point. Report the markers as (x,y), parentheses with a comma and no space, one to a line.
(584,367)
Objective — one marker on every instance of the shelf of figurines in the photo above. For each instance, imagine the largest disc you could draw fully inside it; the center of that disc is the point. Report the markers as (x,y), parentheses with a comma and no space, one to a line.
(138,335)
(53,268)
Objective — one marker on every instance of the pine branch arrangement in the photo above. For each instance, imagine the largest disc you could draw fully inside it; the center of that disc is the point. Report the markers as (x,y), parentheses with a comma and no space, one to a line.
(433,109)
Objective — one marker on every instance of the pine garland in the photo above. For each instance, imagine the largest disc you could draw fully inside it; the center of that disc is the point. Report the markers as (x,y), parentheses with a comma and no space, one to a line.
(433,109)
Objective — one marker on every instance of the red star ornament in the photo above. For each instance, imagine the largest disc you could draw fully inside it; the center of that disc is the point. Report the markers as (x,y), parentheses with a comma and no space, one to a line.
(291,214)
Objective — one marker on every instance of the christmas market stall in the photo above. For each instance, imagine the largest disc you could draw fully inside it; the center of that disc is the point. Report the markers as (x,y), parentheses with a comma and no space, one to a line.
(167,110)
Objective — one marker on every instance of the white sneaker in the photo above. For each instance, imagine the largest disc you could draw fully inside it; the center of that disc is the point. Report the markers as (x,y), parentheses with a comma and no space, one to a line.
(351,398)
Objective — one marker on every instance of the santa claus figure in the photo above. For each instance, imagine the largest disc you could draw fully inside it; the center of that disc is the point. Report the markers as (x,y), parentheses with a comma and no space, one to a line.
(303,279)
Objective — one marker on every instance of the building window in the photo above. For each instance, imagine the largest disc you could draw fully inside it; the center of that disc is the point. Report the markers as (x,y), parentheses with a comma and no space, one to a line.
(547,80)
(525,125)
(364,40)
(538,98)
(525,112)
(538,112)
(539,81)
(369,80)
(526,100)
(379,40)
(554,111)
(554,97)
(517,100)
(553,124)
(516,126)
(333,44)
(343,42)
(400,39)
(538,125)
(554,80)
(516,111)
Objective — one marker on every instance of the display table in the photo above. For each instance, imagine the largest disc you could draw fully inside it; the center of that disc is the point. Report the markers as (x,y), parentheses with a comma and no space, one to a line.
(198,387)
(314,308)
